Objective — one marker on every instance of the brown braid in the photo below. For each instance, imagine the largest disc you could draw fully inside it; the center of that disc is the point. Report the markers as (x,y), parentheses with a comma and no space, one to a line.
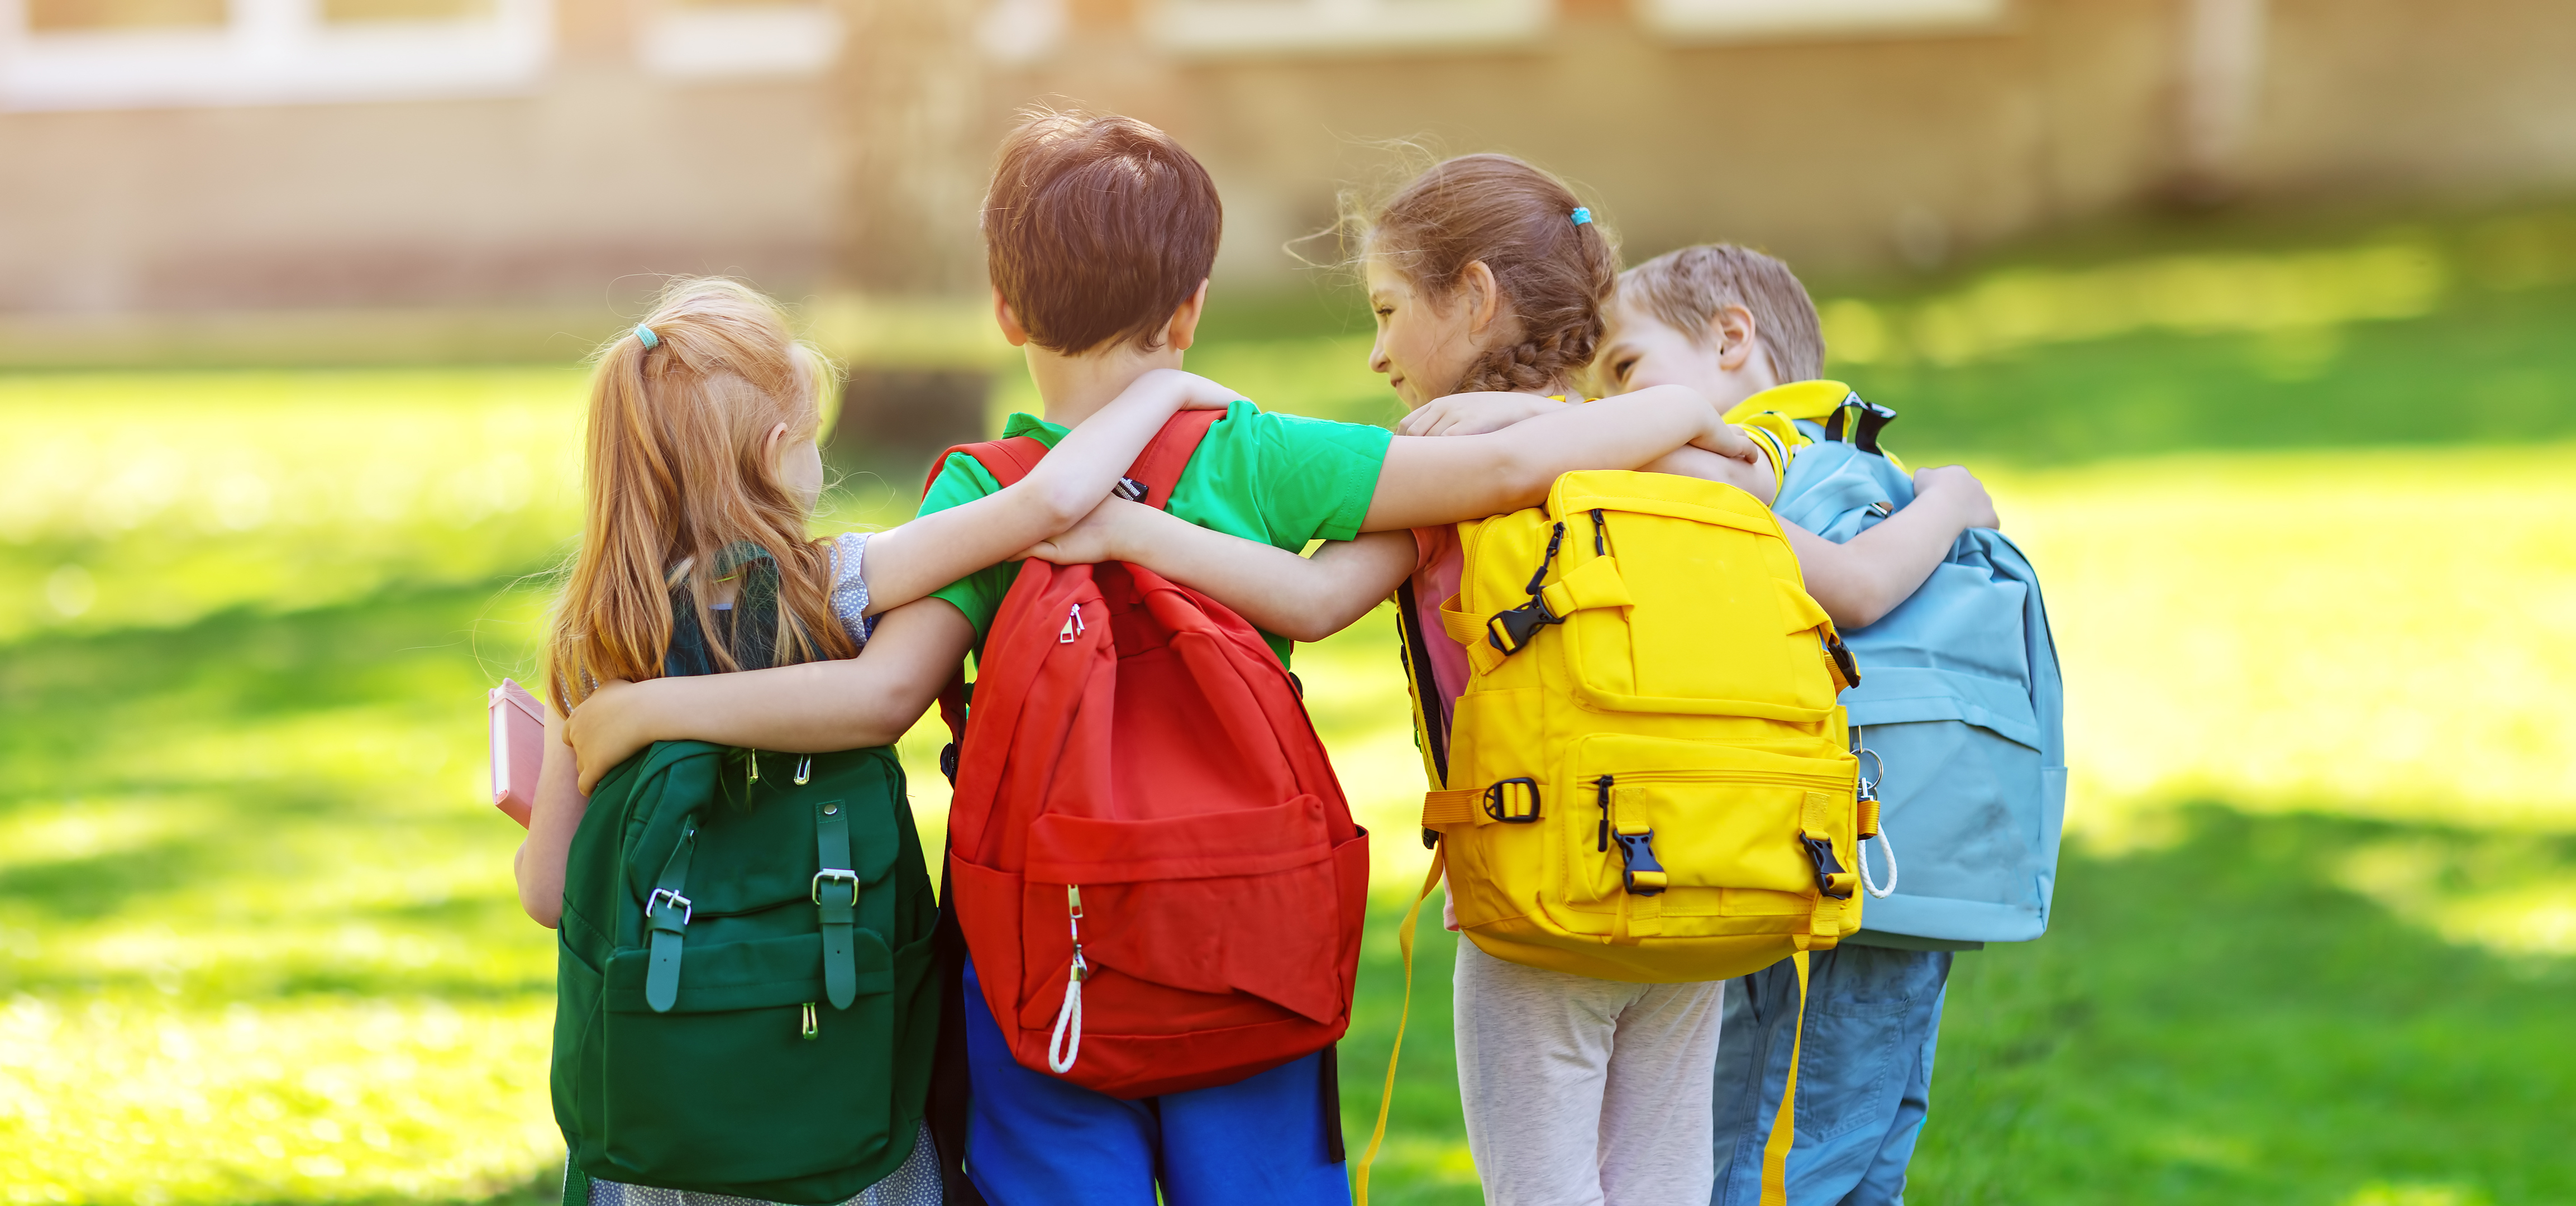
(1554,275)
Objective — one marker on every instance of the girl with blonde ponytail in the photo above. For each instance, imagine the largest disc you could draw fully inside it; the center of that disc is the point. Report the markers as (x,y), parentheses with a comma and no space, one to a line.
(701,472)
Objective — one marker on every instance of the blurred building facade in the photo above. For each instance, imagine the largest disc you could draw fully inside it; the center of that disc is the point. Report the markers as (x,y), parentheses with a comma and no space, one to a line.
(189,155)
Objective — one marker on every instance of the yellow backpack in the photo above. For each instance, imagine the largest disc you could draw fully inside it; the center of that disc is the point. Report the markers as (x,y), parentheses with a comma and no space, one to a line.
(1647,777)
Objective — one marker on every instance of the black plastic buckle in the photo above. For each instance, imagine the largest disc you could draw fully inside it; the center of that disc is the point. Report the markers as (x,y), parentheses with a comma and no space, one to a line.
(1858,423)
(1637,854)
(1843,659)
(1512,630)
(1499,803)
(1821,851)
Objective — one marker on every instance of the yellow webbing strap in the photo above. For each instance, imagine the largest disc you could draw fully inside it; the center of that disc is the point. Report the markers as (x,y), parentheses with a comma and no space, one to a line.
(1461,627)
(1784,1129)
(1404,943)
(1458,807)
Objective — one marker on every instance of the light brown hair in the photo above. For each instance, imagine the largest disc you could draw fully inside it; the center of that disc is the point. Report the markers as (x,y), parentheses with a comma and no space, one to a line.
(1685,289)
(1097,228)
(1553,273)
(678,472)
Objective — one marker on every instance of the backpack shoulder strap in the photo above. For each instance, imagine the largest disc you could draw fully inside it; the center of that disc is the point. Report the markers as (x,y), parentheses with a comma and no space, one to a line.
(1007,460)
(1157,470)
(1159,467)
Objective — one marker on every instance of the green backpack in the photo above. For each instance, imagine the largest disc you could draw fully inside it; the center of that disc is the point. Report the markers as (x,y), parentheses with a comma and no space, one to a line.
(745,998)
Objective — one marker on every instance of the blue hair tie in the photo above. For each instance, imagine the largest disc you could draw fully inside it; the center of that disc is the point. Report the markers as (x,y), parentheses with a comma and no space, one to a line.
(1582,215)
(645,333)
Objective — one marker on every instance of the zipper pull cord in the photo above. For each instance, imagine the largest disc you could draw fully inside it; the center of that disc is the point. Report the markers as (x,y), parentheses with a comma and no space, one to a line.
(1060,1054)
(1601,840)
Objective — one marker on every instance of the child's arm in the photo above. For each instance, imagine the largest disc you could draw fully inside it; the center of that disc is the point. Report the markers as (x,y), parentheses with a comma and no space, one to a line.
(1478,413)
(1866,577)
(927,553)
(1300,598)
(1436,480)
(812,708)
(552,819)
(1861,580)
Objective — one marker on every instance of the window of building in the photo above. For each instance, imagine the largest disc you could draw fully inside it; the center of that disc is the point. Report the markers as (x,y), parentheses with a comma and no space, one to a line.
(1293,26)
(124,54)
(1723,20)
(735,39)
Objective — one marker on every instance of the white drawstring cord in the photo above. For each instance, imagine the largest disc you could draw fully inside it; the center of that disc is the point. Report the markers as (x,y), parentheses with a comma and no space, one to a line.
(1060,1054)
(1860,850)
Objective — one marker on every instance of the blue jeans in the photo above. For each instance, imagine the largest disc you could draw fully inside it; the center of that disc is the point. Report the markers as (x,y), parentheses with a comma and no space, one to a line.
(1864,1074)
(1034,1140)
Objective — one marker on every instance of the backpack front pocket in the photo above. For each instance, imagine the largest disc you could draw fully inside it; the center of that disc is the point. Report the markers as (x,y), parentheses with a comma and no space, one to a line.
(1681,599)
(752,1076)
(1710,829)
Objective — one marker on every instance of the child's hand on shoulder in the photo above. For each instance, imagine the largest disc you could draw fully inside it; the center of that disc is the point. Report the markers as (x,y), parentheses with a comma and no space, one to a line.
(1729,441)
(607,728)
(1181,390)
(1475,413)
(1109,533)
(1953,486)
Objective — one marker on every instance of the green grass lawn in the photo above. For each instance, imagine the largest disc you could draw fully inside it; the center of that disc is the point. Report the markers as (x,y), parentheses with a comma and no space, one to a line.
(2218,1019)
(258,941)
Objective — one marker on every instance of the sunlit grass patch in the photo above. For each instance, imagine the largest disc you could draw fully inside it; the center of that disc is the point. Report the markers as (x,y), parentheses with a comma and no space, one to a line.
(122,1098)
(258,939)
(2385,633)
(155,498)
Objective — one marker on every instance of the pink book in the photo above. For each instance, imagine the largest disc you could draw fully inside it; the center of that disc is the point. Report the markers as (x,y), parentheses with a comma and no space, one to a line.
(518,749)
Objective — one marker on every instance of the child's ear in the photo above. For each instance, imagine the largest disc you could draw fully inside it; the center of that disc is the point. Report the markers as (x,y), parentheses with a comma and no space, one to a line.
(1010,323)
(1185,321)
(1484,297)
(1732,330)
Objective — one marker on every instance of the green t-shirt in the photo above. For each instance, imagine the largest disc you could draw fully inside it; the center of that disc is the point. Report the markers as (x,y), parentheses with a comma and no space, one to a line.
(1284,480)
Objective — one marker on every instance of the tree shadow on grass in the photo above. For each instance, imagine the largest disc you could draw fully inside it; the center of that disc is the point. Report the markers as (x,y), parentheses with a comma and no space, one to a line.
(69,702)
(2228,1019)
(2221,1020)
(249,773)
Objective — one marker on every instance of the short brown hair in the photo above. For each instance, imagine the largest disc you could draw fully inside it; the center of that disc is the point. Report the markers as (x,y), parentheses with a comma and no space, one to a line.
(1687,288)
(1097,228)
(1554,273)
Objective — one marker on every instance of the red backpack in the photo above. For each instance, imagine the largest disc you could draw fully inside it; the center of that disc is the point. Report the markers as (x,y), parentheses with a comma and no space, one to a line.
(1155,870)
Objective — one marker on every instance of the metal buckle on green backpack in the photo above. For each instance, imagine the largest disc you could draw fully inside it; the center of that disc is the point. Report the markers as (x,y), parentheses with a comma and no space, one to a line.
(839,876)
(665,896)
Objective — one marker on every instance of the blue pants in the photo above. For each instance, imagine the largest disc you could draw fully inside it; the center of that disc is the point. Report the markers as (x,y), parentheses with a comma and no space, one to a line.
(1034,1140)
(1864,1074)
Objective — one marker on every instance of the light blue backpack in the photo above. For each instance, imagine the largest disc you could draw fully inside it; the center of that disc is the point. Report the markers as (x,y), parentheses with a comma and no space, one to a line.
(1959,698)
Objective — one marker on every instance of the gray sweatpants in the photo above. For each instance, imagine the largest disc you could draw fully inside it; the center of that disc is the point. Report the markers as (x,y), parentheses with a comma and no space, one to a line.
(1584,1092)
